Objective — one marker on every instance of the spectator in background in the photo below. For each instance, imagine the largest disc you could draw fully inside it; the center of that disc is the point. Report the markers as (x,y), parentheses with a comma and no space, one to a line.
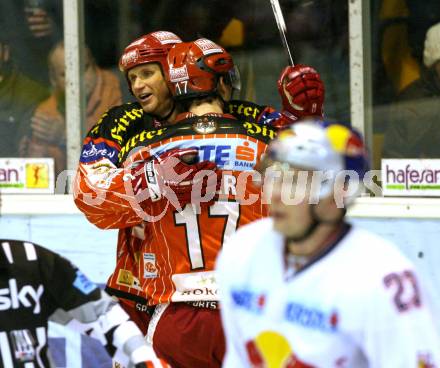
(414,125)
(32,27)
(19,96)
(48,126)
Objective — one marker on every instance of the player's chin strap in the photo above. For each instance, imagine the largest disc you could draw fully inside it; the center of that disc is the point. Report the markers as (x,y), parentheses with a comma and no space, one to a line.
(315,223)
(166,117)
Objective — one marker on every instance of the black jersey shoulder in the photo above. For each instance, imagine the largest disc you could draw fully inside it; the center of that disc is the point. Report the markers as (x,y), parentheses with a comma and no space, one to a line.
(121,122)
(245,110)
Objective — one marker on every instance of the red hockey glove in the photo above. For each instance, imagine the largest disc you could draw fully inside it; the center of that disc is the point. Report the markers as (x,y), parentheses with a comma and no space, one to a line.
(172,175)
(302,91)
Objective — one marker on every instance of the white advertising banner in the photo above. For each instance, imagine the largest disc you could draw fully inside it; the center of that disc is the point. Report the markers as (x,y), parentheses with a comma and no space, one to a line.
(411,177)
(27,175)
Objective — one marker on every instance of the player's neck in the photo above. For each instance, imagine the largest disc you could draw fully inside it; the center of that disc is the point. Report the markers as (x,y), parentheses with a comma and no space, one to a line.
(318,242)
(170,118)
(206,108)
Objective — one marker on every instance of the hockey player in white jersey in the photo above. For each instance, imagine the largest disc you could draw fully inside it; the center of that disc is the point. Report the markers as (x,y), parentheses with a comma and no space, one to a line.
(303,288)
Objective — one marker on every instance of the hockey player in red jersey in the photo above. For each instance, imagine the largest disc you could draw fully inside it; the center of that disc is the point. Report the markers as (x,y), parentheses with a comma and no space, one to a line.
(100,175)
(99,186)
(182,245)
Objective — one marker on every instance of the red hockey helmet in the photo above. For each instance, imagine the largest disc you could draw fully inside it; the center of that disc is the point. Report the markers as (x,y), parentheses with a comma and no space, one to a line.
(195,67)
(150,48)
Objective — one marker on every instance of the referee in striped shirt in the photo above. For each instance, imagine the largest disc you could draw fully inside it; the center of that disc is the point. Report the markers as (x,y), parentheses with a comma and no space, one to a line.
(36,284)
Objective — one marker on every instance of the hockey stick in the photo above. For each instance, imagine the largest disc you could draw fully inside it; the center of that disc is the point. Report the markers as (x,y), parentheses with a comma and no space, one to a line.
(279,18)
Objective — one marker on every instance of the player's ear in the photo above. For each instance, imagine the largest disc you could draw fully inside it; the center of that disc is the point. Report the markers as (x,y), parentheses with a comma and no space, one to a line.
(224,89)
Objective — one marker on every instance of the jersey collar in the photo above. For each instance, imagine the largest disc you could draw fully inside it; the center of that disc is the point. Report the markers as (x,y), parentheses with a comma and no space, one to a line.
(345,228)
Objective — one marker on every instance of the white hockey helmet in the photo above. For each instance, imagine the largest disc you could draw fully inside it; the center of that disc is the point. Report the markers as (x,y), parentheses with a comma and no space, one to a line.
(318,145)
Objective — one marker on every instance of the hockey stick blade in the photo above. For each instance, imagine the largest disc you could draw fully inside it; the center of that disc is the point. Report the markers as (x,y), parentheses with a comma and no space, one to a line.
(281,24)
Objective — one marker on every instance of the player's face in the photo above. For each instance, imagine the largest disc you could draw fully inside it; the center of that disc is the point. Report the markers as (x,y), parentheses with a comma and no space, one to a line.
(150,89)
(289,201)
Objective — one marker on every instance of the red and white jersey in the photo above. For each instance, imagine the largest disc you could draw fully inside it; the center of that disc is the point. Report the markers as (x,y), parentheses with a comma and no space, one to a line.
(358,305)
(100,186)
(179,253)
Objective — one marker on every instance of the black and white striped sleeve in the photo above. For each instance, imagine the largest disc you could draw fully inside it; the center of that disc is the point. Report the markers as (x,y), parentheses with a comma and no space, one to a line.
(86,307)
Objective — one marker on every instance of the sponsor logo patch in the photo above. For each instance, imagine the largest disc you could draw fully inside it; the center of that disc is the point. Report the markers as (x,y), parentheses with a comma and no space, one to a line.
(249,300)
(14,298)
(101,173)
(24,345)
(83,284)
(205,126)
(179,74)
(150,270)
(240,157)
(93,151)
(312,318)
(268,118)
(125,278)
(207,46)
(165,37)
(129,57)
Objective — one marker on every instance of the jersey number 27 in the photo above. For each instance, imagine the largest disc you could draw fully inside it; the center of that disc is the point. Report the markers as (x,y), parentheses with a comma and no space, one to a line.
(406,294)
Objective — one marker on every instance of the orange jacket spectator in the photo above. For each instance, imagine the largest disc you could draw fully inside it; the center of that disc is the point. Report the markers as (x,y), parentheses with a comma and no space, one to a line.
(48,125)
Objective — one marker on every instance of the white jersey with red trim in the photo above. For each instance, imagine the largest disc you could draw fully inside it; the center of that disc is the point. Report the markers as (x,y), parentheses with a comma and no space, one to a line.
(358,305)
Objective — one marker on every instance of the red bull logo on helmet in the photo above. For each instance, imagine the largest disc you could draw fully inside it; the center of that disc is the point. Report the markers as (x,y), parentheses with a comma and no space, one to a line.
(344,141)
